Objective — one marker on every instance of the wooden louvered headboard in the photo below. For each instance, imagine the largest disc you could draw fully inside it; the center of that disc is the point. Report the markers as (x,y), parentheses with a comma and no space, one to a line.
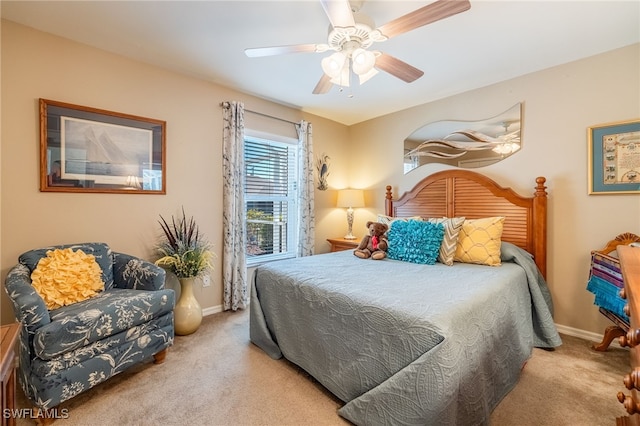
(463,193)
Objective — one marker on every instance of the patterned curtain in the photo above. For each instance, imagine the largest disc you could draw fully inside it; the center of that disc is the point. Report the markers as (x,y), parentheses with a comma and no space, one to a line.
(234,265)
(306,210)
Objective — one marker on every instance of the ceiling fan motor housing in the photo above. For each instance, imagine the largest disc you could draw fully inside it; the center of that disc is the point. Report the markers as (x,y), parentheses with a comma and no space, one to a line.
(347,39)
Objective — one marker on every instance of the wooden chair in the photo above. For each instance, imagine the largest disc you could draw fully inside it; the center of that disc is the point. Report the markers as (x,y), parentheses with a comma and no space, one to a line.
(621,325)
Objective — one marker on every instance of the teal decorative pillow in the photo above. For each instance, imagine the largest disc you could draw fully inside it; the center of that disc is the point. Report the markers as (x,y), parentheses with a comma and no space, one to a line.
(415,241)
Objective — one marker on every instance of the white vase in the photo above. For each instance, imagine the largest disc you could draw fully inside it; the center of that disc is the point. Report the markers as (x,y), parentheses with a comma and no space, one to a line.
(188,312)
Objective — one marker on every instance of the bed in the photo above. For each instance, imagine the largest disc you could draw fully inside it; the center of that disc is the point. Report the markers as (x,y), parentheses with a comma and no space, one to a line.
(407,343)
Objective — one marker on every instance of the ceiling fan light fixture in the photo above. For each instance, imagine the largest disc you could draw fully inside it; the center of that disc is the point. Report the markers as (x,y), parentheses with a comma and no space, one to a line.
(366,76)
(510,142)
(506,148)
(334,64)
(342,77)
(363,61)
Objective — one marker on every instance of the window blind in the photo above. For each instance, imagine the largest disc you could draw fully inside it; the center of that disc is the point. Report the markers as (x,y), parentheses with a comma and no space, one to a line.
(270,184)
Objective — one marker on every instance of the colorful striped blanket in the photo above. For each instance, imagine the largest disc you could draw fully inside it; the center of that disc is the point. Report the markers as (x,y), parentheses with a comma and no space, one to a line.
(605,282)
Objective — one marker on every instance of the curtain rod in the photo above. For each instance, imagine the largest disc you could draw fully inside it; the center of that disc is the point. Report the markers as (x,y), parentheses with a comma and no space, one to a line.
(225,105)
(271,116)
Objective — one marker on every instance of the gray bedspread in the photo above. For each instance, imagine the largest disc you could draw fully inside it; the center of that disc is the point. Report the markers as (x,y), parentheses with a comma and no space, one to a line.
(403,343)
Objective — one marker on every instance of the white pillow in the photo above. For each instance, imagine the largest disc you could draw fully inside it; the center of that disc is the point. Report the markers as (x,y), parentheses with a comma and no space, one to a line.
(388,220)
(452,226)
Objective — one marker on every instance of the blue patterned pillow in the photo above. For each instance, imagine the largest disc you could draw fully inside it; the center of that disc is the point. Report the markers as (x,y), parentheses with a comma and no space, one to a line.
(415,241)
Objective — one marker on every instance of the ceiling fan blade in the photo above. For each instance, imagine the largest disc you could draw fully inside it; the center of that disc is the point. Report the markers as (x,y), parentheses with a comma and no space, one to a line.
(257,52)
(323,86)
(398,68)
(425,15)
(339,13)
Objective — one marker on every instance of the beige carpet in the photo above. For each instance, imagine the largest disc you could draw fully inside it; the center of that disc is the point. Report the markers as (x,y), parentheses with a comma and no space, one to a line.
(217,377)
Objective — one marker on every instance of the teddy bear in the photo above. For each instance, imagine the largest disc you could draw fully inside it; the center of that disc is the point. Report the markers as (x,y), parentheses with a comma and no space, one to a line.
(375,244)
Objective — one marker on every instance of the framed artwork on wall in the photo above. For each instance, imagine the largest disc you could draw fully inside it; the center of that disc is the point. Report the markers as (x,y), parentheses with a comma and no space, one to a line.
(614,158)
(85,149)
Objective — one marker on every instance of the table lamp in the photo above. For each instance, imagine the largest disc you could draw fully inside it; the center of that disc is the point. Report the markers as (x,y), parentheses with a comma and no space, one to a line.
(350,198)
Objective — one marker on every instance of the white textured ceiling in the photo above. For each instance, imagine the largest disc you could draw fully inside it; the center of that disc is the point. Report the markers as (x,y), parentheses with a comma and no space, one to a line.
(491,42)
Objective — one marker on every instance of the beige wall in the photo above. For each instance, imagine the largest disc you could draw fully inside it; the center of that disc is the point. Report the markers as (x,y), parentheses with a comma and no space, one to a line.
(559,104)
(37,65)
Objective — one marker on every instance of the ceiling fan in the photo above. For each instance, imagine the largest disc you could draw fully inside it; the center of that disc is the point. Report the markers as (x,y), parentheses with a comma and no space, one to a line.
(352,33)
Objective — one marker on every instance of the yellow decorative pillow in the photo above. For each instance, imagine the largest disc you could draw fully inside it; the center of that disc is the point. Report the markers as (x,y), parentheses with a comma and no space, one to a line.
(66,276)
(479,241)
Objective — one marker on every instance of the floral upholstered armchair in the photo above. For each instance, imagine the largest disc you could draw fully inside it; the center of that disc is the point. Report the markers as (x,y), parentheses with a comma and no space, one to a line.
(69,349)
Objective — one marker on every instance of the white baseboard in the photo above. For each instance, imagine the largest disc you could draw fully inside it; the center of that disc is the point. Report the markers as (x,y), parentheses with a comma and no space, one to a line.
(587,335)
(211,310)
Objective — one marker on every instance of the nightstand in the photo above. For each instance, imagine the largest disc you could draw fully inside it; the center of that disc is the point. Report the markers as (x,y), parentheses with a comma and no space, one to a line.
(339,244)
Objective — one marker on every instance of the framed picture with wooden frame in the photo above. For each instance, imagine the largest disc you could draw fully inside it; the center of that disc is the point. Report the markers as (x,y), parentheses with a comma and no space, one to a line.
(85,149)
(614,158)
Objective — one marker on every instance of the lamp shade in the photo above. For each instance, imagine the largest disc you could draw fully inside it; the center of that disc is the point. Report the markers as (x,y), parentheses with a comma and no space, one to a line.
(350,198)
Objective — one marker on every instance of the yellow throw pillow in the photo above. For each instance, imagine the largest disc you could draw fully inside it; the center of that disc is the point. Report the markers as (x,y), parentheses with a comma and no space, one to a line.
(66,276)
(479,241)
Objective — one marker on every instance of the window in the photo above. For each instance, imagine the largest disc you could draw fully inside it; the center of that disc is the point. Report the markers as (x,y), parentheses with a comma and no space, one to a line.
(270,196)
